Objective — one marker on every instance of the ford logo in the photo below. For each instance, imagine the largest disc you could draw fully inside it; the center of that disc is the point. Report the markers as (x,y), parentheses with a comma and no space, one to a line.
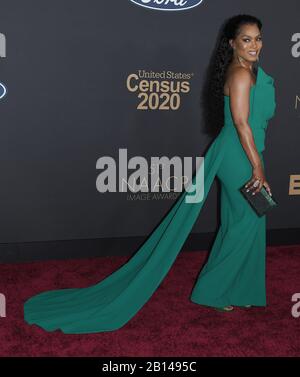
(2,90)
(168,4)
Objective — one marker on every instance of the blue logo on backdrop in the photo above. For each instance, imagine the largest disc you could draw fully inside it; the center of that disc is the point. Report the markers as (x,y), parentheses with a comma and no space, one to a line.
(2,90)
(168,4)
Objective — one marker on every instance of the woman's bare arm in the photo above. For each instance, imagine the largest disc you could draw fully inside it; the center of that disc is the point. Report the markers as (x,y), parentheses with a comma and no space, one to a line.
(239,90)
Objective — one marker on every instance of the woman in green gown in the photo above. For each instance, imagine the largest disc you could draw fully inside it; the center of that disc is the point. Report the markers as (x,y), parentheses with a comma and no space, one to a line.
(234,274)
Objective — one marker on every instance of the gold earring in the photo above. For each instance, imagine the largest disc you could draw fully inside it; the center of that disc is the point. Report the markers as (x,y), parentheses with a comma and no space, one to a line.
(240,59)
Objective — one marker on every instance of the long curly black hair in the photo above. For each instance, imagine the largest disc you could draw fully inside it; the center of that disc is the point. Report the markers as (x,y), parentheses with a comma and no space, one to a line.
(213,95)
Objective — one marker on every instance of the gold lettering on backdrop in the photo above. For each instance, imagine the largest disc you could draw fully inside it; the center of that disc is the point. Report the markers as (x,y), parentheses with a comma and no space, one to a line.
(294,188)
(159,90)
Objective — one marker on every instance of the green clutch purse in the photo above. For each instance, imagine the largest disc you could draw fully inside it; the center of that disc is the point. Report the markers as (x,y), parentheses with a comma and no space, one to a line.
(261,202)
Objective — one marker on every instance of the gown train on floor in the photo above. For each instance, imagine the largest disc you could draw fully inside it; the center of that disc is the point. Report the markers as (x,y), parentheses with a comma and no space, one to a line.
(234,273)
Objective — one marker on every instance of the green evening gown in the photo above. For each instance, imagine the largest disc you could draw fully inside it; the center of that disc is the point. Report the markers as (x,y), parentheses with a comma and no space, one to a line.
(235,271)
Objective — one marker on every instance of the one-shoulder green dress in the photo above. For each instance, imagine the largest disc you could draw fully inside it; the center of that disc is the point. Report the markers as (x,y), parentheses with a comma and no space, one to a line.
(234,273)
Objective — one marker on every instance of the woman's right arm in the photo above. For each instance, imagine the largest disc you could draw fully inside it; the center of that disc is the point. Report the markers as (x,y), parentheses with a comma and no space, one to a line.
(239,90)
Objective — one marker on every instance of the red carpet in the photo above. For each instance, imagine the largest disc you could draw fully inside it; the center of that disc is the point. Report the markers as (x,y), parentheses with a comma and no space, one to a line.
(169,324)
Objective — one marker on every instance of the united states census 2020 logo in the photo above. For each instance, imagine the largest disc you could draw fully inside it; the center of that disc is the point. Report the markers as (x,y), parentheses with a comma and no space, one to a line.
(170,5)
(2,90)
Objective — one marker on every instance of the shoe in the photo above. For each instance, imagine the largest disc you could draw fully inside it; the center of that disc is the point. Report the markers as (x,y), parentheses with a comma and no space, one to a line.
(227,308)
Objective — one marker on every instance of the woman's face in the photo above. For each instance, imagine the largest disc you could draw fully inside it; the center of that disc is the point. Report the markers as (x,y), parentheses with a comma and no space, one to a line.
(248,42)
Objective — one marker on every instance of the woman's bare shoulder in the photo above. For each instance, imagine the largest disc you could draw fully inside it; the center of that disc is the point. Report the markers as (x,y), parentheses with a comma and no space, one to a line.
(236,75)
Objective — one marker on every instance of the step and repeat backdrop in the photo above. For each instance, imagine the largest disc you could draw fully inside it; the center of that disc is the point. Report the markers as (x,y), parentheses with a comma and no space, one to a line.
(89,88)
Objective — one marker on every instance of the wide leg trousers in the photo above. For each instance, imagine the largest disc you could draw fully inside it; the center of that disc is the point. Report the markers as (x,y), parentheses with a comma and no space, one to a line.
(235,271)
